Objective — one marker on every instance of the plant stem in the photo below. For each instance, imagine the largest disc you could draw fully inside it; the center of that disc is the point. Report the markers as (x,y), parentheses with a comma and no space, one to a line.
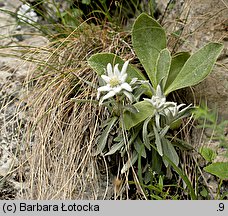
(218,190)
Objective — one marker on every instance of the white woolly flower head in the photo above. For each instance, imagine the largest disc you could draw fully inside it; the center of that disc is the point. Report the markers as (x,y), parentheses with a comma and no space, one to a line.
(158,100)
(115,82)
(173,111)
(170,110)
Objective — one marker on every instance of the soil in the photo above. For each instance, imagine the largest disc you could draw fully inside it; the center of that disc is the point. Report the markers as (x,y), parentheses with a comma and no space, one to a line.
(200,21)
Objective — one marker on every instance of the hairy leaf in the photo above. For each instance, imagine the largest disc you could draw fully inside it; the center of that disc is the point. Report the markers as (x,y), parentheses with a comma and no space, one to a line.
(156,163)
(197,67)
(170,152)
(162,67)
(98,62)
(158,141)
(148,39)
(219,169)
(177,63)
(115,148)
(139,147)
(145,133)
(145,109)
(102,140)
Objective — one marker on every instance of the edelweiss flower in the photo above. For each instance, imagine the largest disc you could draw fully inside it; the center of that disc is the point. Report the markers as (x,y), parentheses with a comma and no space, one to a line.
(115,80)
(172,111)
(159,100)
(27,14)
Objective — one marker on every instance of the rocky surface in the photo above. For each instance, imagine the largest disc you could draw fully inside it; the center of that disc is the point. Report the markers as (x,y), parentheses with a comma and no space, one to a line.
(208,22)
(199,22)
(13,72)
(212,25)
(194,24)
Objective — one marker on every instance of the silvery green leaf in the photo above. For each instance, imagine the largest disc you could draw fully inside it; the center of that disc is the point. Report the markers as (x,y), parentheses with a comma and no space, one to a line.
(131,108)
(177,63)
(196,68)
(156,163)
(164,131)
(134,134)
(146,140)
(148,39)
(132,119)
(98,62)
(115,148)
(180,143)
(158,141)
(102,140)
(138,92)
(170,152)
(118,138)
(162,67)
(139,147)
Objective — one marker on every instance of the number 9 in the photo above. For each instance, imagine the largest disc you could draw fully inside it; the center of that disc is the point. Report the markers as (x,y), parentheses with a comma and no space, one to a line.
(221,206)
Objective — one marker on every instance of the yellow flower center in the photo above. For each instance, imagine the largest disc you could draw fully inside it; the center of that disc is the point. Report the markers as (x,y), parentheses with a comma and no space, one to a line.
(114,81)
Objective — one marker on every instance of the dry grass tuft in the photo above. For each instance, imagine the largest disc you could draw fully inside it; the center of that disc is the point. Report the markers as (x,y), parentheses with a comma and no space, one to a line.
(61,131)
